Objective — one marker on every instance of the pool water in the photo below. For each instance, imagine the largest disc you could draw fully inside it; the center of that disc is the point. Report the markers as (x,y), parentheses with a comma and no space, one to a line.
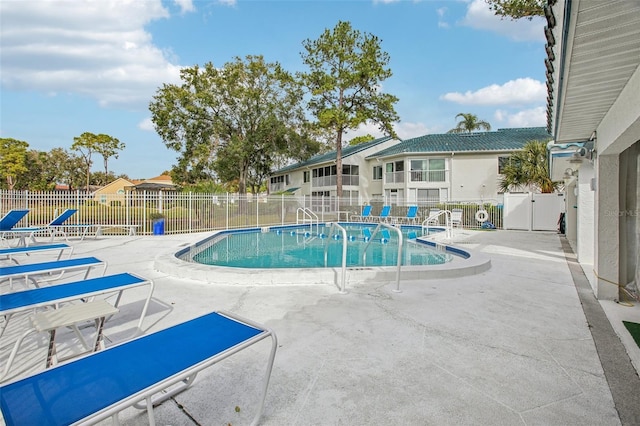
(305,247)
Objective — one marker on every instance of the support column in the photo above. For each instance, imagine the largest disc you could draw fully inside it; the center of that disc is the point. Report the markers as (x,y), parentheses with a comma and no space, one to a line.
(607,227)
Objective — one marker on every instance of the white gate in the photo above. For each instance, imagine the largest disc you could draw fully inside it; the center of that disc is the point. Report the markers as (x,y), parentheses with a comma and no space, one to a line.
(546,211)
(517,211)
(532,212)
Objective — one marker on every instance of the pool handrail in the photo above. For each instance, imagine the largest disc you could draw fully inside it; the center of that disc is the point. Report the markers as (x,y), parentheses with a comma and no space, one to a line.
(448,227)
(307,216)
(400,244)
(344,253)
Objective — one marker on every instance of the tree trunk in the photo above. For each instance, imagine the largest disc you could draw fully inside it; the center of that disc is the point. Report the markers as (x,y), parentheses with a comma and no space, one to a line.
(339,165)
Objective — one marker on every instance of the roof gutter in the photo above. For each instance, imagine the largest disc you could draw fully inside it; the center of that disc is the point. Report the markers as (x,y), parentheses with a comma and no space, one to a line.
(563,54)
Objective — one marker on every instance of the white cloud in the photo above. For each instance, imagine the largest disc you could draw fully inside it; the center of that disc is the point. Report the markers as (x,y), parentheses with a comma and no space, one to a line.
(98,49)
(407,130)
(535,117)
(404,130)
(479,16)
(442,11)
(185,5)
(146,125)
(521,91)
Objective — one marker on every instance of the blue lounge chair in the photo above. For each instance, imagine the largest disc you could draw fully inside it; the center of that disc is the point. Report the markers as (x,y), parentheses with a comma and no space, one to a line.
(27,234)
(34,272)
(104,382)
(9,253)
(385,214)
(365,216)
(412,215)
(10,220)
(22,301)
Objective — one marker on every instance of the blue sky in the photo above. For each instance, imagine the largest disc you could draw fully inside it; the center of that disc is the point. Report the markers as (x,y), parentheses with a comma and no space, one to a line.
(69,67)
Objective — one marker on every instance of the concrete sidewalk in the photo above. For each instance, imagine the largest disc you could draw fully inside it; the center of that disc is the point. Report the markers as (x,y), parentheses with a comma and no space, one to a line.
(506,347)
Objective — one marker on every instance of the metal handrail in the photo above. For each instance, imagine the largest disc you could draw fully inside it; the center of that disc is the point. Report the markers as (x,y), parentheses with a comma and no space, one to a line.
(344,253)
(448,224)
(307,213)
(400,245)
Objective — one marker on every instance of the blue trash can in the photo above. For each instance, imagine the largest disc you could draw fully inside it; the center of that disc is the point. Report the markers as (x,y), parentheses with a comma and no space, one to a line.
(158,227)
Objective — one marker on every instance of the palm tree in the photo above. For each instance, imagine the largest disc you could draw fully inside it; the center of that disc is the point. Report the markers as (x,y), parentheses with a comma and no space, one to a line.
(469,123)
(528,168)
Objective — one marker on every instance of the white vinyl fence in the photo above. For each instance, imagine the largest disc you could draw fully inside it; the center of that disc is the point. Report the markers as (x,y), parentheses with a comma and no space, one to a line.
(185,212)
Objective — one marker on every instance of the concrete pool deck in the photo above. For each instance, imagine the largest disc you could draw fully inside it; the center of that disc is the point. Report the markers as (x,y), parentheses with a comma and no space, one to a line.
(511,345)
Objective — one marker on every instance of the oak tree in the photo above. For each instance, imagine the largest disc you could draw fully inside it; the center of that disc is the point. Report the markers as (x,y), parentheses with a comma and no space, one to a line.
(233,120)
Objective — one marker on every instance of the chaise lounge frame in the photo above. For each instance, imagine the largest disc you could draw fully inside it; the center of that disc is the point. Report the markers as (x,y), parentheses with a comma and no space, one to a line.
(9,253)
(32,270)
(203,342)
(52,296)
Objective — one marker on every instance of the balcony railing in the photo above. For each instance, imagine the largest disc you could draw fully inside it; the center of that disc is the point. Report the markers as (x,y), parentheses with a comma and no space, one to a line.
(428,176)
(394,177)
(349,180)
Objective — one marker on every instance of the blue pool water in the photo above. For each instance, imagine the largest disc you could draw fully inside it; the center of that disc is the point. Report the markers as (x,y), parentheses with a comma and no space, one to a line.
(318,247)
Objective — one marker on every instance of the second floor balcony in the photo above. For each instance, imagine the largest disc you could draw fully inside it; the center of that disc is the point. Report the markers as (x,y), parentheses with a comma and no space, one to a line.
(428,175)
(347,180)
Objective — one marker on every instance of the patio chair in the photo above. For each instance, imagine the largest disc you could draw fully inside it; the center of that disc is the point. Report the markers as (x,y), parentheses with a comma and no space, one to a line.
(412,215)
(26,234)
(365,216)
(434,217)
(9,253)
(105,387)
(456,218)
(10,220)
(54,296)
(385,213)
(35,272)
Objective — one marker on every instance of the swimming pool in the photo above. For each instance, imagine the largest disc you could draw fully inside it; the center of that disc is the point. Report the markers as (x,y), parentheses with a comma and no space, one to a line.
(318,247)
(180,264)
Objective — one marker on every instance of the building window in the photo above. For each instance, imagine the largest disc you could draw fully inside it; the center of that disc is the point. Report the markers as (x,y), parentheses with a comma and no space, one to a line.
(394,172)
(326,176)
(349,198)
(428,170)
(377,172)
(305,177)
(277,183)
(502,163)
(429,195)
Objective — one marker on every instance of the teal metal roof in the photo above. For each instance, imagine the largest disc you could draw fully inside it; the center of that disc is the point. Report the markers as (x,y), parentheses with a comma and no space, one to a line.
(330,156)
(500,140)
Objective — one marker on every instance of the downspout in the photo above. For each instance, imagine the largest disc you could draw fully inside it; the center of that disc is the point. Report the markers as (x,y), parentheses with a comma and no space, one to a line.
(451,177)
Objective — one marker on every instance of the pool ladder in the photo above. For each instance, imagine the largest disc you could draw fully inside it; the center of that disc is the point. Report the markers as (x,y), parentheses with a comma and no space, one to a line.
(343,232)
(306,215)
(400,244)
(448,227)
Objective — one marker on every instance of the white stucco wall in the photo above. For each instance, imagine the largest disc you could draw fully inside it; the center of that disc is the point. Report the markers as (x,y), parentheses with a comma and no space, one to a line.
(619,129)
(571,211)
(474,177)
(585,222)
